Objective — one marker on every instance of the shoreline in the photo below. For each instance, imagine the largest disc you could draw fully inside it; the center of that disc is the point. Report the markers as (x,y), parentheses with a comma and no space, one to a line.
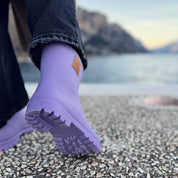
(120,89)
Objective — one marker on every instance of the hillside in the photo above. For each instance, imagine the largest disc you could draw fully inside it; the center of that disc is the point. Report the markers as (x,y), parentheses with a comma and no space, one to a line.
(102,37)
(169,48)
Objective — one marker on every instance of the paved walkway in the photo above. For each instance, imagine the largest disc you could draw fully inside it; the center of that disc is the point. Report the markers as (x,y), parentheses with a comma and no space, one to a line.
(138,140)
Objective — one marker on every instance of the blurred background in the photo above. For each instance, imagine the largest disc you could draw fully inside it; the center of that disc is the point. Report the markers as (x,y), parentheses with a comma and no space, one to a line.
(127,42)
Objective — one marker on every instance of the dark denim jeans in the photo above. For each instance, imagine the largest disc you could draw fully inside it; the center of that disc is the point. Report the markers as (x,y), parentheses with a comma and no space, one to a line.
(48,20)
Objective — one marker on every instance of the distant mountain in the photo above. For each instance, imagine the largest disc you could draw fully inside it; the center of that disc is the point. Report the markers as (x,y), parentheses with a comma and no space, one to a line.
(170,48)
(101,37)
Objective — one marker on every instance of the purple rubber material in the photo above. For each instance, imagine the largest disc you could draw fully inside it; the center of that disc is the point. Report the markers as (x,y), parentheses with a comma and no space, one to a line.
(11,132)
(55,105)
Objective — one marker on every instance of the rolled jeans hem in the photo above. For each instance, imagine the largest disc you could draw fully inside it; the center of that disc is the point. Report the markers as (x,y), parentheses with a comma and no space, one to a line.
(35,47)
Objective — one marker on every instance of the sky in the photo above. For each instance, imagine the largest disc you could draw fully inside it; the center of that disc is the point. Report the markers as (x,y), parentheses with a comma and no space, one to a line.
(153,22)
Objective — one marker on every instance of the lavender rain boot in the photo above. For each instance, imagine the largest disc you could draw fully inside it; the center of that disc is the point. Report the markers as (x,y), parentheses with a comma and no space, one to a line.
(55,105)
(11,132)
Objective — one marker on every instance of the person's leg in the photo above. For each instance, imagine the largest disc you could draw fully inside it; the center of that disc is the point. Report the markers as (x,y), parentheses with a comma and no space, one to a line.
(13,96)
(57,50)
(4,103)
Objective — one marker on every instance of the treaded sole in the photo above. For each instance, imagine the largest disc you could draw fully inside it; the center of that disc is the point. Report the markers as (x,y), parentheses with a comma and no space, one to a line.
(69,139)
(10,143)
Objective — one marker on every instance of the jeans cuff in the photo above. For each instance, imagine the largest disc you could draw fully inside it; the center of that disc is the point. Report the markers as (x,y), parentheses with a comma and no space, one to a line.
(35,47)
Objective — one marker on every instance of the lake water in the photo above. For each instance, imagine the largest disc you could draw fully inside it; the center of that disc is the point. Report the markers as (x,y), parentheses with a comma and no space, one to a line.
(123,69)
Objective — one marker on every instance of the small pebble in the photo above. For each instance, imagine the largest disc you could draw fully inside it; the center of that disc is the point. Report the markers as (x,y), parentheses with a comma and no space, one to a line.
(8,169)
(99,174)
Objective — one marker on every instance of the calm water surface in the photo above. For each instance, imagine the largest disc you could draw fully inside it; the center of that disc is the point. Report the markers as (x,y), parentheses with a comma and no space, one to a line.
(123,69)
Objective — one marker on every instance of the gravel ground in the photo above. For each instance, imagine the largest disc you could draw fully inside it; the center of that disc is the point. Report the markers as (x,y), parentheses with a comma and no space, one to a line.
(138,140)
